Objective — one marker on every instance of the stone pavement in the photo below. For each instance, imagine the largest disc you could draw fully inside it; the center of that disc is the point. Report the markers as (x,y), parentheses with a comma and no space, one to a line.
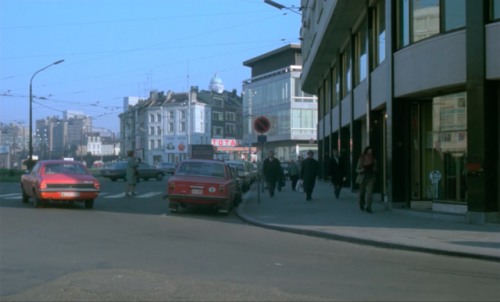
(341,219)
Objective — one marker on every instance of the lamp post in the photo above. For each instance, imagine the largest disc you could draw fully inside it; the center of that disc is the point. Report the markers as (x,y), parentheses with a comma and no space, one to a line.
(280,6)
(30,160)
(249,120)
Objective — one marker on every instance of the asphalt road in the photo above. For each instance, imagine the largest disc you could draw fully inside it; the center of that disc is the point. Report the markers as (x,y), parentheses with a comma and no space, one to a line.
(134,249)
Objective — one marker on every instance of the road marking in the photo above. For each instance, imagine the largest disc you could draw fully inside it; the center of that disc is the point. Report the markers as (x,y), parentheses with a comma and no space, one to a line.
(147,195)
(102,194)
(11,194)
(14,197)
(116,196)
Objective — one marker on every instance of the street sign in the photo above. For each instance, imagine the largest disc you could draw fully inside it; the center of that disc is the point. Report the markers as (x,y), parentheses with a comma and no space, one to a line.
(262,139)
(261,124)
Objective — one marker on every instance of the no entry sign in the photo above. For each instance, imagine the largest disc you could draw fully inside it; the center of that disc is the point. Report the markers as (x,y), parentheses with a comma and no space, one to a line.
(261,124)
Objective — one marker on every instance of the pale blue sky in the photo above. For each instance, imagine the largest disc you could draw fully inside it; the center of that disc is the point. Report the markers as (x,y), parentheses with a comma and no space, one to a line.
(117,48)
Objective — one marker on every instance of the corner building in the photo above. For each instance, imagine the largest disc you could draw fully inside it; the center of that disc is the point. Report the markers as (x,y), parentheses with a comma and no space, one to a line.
(419,81)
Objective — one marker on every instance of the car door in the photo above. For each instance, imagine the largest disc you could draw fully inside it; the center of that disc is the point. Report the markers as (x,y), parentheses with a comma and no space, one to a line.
(29,180)
(146,171)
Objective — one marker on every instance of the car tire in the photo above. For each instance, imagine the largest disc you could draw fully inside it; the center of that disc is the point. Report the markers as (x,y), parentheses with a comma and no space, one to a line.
(26,197)
(113,179)
(89,203)
(146,178)
(159,177)
(37,202)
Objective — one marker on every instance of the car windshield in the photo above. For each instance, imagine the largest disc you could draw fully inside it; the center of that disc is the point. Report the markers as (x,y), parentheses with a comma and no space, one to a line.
(238,166)
(119,166)
(64,169)
(201,169)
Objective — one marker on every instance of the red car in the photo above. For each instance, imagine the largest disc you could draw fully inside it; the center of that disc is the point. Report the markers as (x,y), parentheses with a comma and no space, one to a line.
(59,181)
(201,182)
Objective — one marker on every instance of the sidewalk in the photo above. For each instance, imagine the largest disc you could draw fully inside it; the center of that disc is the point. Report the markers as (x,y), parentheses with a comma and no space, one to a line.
(341,219)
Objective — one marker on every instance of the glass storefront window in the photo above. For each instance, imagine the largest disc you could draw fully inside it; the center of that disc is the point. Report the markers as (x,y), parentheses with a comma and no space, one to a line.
(495,9)
(425,19)
(448,141)
(403,23)
(321,103)
(334,87)
(328,96)
(381,31)
(454,14)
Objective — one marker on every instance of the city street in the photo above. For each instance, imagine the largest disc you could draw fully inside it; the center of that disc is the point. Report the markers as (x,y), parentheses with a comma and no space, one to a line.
(134,249)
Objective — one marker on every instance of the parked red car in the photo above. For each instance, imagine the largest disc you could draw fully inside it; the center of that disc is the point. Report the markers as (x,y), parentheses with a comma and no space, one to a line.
(59,181)
(199,182)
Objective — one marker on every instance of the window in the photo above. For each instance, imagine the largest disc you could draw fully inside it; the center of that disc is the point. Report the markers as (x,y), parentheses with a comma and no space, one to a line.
(360,53)
(321,103)
(151,144)
(238,117)
(230,116)
(495,10)
(218,131)
(201,114)
(170,127)
(182,126)
(152,118)
(346,72)
(171,115)
(218,116)
(183,115)
(334,92)
(230,129)
(218,103)
(151,130)
(158,143)
(421,19)
(158,130)
(378,33)
(158,117)
(327,95)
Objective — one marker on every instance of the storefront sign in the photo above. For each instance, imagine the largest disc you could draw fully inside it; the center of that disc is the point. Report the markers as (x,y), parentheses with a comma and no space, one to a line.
(226,142)
(175,144)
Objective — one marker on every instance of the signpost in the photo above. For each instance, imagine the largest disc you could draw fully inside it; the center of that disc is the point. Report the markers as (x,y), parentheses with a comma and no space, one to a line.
(435,176)
(261,125)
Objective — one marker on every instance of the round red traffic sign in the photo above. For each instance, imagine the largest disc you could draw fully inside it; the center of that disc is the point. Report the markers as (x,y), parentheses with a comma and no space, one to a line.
(261,124)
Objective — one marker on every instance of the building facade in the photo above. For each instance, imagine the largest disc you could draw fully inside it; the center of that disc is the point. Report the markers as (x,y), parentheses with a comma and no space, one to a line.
(419,81)
(274,91)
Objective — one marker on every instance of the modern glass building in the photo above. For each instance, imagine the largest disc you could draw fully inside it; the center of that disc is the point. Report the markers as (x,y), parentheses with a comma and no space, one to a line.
(274,91)
(419,81)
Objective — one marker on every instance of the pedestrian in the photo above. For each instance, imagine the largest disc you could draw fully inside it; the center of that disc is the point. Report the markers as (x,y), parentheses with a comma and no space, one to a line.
(293,171)
(132,165)
(337,172)
(367,166)
(271,169)
(308,174)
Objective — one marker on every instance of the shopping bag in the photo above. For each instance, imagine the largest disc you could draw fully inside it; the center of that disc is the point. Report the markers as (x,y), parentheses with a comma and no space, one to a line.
(298,187)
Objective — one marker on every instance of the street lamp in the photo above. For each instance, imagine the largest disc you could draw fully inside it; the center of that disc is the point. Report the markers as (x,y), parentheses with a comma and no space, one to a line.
(280,6)
(249,120)
(30,162)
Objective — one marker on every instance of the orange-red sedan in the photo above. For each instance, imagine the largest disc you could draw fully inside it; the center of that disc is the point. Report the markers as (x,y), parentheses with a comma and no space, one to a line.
(59,181)
(199,182)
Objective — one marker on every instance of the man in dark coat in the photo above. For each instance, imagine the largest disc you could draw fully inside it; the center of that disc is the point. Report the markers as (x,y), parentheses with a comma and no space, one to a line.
(337,172)
(271,169)
(308,174)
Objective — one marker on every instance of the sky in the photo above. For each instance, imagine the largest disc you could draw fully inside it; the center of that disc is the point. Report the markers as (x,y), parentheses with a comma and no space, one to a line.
(117,48)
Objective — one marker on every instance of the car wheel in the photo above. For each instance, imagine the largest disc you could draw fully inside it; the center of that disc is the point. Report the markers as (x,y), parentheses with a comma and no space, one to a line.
(146,178)
(37,202)
(113,179)
(89,204)
(26,198)
(159,177)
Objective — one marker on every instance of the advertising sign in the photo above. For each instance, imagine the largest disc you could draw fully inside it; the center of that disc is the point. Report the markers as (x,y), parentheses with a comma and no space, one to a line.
(175,144)
(201,151)
(224,142)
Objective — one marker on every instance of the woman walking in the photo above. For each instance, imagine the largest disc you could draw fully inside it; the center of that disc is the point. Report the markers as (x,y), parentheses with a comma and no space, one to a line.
(293,171)
(367,166)
(131,173)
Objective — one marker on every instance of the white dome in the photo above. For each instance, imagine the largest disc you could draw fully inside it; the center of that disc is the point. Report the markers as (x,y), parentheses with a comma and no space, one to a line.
(216,84)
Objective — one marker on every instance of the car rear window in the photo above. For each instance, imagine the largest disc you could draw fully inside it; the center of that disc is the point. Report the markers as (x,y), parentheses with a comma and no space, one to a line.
(119,166)
(201,169)
(64,169)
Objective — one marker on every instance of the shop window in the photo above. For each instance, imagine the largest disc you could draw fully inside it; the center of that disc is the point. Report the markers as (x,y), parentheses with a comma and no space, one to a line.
(495,10)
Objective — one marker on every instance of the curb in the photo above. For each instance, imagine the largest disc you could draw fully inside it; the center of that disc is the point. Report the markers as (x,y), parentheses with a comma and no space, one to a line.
(368,242)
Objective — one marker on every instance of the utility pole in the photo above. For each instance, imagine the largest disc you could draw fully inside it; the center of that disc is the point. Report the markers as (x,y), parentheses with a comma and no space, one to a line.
(81,145)
(114,143)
